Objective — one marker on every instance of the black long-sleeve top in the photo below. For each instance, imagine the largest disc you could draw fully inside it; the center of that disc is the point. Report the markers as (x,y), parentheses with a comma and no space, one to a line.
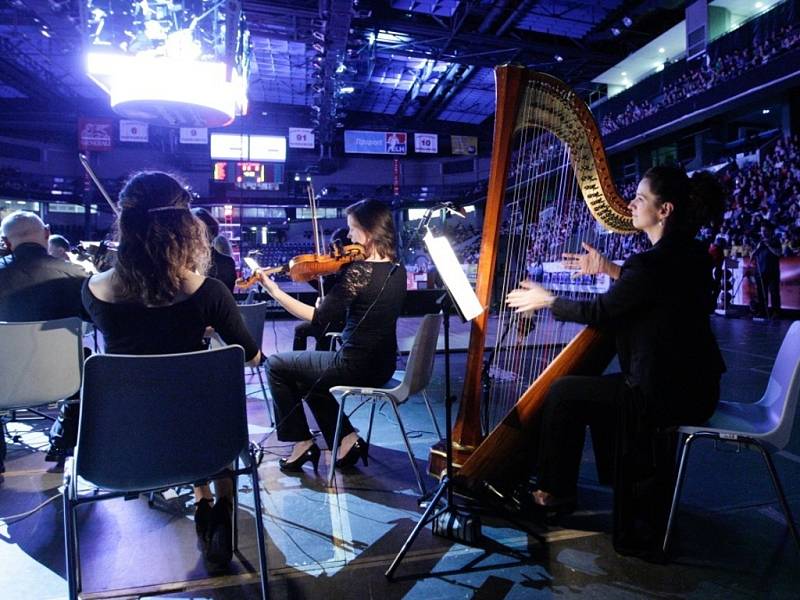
(371,344)
(658,310)
(133,328)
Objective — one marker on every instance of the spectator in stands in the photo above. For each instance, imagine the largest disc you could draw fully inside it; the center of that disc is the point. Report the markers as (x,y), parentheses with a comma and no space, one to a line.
(222,267)
(58,246)
(766,258)
(701,76)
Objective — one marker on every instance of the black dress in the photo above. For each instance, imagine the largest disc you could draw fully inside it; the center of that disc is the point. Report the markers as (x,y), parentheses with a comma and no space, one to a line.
(658,312)
(369,296)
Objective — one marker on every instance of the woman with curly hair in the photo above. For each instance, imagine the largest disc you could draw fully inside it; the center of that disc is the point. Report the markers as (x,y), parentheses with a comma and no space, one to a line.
(157,300)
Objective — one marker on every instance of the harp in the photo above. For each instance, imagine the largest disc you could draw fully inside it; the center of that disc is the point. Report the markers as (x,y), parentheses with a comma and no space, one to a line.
(549,188)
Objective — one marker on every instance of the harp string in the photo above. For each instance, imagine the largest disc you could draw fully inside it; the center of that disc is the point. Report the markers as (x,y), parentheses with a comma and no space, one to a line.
(544,216)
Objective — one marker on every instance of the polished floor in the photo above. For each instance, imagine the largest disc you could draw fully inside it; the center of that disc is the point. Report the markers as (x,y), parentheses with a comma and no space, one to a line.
(731,541)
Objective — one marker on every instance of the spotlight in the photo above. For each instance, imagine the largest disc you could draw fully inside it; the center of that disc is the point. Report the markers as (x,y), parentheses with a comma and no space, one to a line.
(348,89)
(319,48)
(661,50)
(627,21)
(615,31)
(559,58)
(319,36)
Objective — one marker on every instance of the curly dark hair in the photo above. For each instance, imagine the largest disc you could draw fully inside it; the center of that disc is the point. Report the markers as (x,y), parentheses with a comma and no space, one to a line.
(375,219)
(159,239)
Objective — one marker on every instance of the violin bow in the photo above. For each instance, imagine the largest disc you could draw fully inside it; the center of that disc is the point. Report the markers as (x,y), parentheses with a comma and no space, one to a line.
(88,168)
(312,202)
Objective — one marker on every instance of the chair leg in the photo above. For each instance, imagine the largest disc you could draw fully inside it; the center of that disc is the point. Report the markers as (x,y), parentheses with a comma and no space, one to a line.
(430,412)
(678,486)
(336,440)
(70,544)
(262,543)
(235,483)
(374,402)
(408,448)
(776,483)
(266,398)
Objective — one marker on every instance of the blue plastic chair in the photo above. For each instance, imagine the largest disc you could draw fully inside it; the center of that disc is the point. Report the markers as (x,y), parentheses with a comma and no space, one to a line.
(141,419)
(766,424)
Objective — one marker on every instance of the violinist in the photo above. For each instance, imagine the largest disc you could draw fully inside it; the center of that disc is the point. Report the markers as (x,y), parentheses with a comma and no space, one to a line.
(307,329)
(368,296)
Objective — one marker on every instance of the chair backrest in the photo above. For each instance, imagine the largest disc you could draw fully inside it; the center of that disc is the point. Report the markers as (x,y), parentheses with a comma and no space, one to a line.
(783,390)
(419,367)
(154,421)
(253,316)
(40,361)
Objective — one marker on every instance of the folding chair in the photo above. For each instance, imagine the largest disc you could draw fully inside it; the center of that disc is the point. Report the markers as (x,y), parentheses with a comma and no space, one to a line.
(141,419)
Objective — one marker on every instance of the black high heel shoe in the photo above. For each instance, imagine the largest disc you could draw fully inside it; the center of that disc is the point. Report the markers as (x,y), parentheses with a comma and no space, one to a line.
(358,450)
(296,466)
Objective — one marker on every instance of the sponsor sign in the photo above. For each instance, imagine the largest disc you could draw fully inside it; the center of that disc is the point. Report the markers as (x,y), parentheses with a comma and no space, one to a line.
(95,134)
(426,143)
(464,144)
(133,131)
(301,138)
(194,135)
(375,142)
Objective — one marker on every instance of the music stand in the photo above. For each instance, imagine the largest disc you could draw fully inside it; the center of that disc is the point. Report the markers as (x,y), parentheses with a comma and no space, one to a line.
(460,295)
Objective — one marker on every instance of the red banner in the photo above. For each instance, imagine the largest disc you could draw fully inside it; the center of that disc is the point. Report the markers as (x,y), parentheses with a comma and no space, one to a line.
(95,134)
(396,176)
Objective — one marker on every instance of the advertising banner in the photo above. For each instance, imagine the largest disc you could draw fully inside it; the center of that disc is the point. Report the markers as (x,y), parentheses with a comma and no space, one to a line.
(194,135)
(426,143)
(464,144)
(133,131)
(375,142)
(95,134)
(301,138)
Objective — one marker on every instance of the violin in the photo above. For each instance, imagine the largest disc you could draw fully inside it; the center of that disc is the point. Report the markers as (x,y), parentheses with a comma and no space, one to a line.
(304,267)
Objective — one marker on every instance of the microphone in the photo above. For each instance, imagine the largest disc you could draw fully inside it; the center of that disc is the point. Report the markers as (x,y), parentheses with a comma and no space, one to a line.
(454,209)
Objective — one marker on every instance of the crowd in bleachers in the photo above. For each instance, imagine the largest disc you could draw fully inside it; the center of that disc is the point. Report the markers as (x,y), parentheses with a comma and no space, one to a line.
(707,73)
(766,191)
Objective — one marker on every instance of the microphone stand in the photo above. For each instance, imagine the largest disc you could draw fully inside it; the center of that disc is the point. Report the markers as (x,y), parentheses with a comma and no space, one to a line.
(459,523)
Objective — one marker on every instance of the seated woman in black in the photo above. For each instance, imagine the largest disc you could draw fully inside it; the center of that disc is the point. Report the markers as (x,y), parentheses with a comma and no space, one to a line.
(658,309)
(156,300)
(368,295)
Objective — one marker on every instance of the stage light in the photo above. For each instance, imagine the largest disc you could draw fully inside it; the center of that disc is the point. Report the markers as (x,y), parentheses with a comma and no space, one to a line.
(615,31)
(348,89)
(627,21)
(765,111)
(169,91)
(172,65)
(341,68)
(559,58)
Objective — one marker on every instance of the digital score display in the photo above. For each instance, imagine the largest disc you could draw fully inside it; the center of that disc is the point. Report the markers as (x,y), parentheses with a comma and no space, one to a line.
(249,175)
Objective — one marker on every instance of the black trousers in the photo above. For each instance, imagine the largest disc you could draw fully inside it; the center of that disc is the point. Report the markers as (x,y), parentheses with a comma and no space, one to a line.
(768,288)
(293,375)
(572,403)
(305,330)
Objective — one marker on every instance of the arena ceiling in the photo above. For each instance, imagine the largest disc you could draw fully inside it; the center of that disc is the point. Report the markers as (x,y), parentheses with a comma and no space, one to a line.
(391,62)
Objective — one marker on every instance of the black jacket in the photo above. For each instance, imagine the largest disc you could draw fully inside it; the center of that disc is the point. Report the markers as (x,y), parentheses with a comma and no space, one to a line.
(223,268)
(658,311)
(37,287)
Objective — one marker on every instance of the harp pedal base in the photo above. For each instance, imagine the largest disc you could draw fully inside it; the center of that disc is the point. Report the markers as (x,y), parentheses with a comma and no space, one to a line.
(458,526)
